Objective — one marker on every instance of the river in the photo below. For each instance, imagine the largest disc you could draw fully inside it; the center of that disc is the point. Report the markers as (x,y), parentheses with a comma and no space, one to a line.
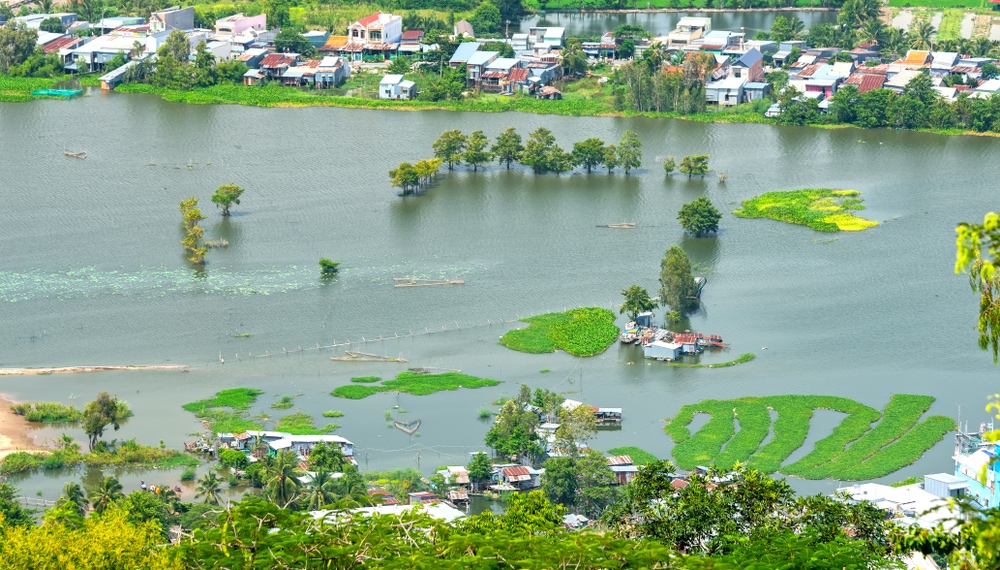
(91,269)
(661,23)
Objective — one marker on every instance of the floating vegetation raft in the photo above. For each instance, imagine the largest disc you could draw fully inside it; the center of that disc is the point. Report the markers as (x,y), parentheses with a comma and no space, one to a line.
(416,384)
(855,450)
(580,332)
(212,410)
(821,209)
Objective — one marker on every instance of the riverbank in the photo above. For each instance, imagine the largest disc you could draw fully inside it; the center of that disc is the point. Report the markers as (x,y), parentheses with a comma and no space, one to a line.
(15,431)
(75,369)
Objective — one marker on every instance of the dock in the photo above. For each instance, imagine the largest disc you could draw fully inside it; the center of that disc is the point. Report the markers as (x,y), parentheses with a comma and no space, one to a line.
(414,282)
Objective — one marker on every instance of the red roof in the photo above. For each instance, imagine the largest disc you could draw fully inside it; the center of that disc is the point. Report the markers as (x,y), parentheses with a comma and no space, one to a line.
(516,471)
(369,19)
(678,483)
(413,35)
(809,70)
(56,45)
(686,338)
(275,60)
(870,82)
(518,74)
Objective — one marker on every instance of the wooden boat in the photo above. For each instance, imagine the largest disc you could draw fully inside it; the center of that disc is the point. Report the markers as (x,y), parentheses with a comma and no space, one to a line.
(621,226)
(80,154)
(409,428)
(413,282)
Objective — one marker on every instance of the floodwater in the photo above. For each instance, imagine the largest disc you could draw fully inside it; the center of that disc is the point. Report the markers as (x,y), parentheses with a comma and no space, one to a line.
(661,23)
(92,273)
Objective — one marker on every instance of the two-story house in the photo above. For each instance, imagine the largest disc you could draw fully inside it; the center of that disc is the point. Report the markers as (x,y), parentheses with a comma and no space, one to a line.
(374,36)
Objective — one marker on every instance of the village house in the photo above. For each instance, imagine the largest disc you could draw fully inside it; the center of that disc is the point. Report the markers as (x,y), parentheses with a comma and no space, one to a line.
(275,441)
(173,18)
(623,468)
(784,52)
(925,505)
(688,30)
(552,37)
(66,19)
(462,54)
(496,76)
(514,477)
(476,64)
(238,24)
(274,65)
(376,36)
(973,457)
(463,29)
(393,86)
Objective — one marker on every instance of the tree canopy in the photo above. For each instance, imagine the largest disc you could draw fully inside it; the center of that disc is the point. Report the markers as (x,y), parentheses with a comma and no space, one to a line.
(699,217)
(477,150)
(636,301)
(449,147)
(677,287)
(508,148)
(225,196)
(104,411)
(629,151)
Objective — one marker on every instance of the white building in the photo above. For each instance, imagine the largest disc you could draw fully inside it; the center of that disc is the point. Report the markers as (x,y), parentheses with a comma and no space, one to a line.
(393,86)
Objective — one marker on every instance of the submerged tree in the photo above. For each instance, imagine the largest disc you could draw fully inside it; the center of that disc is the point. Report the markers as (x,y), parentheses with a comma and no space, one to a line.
(589,153)
(449,147)
(540,150)
(193,233)
(699,217)
(694,164)
(636,301)
(630,151)
(508,147)
(227,195)
(476,150)
(328,267)
(677,287)
(99,414)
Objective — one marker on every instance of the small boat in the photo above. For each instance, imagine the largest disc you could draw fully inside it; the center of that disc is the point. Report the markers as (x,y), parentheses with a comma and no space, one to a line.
(621,226)
(80,154)
(409,428)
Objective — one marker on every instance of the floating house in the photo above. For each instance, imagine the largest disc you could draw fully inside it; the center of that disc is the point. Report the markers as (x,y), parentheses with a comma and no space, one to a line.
(662,350)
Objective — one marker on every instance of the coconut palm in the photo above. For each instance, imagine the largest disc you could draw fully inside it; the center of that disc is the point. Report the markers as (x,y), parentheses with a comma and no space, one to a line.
(209,487)
(797,27)
(74,495)
(282,478)
(872,32)
(106,494)
(923,36)
(320,491)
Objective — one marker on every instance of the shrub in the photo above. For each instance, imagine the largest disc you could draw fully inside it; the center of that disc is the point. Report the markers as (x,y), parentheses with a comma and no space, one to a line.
(189,474)
(283,404)
(333,414)
(47,412)
(234,459)
(20,462)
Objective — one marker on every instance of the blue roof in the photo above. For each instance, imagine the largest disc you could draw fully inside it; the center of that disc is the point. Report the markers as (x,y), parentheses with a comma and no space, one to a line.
(751,57)
(482,57)
(464,52)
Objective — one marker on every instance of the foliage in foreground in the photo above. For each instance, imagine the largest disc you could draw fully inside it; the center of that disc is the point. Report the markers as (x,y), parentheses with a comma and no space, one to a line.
(978,252)
(854,451)
(580,332)
(412,383)
(821,209)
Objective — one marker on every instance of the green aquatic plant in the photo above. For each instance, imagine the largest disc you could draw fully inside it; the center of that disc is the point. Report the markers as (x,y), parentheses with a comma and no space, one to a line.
(822,209)
(580,332)
(284,403)
(854,450)
(47,412)
(366,379)
(232,420)
(638,455)
(416,384)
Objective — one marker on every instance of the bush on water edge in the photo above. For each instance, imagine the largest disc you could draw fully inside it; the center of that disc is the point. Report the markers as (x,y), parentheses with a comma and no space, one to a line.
(333,414)
(639,456)
(235,398)
(822,209)
(853,451)
(125,453)
(580,332)
(284,403)
(47,412)
(745,357)
(416,384)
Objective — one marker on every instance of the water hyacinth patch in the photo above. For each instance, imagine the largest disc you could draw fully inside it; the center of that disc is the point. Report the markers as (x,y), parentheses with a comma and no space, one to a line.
(580,332)
(822,209)
(854,450)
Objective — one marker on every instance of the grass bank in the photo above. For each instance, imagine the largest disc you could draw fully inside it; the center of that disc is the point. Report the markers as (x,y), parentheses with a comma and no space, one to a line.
(854,450)
(822,209)
(416,384)
(580,332)
(127,453)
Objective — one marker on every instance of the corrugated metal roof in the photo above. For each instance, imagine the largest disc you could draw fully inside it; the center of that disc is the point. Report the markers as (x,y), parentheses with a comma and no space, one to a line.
(413,35)
(67,42)
(871,82)
(518,75)
(916,57)
(620,460)
(275,60)
(678,483)
(519,473)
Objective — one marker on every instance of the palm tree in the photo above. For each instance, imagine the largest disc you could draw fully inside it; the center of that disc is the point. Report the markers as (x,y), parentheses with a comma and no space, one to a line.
(106,494)
(923,36)
(797,27)
(73,495)
(209,486)
(873,32)
(282,479)
(321,490)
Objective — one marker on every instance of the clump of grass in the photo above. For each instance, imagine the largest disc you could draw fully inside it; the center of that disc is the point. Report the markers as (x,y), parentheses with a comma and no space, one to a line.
(853,451)
(485,413)
(284,403)
(366,379)
(545,371)
(822,209)
(745,357)
(639,456)
(301,423)
(189,474)
(333,414)
(47,412)
(242,335)
(424,384)
(352,392)
(234,420)
(580,332)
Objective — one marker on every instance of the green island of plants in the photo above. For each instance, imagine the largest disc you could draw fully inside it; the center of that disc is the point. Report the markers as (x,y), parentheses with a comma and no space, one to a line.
(854,450)
(639,456)
(366,379)
(416,384)
(822,209)
(232,420)
(580,332)
(745,357)
(47,412)
(301,423)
